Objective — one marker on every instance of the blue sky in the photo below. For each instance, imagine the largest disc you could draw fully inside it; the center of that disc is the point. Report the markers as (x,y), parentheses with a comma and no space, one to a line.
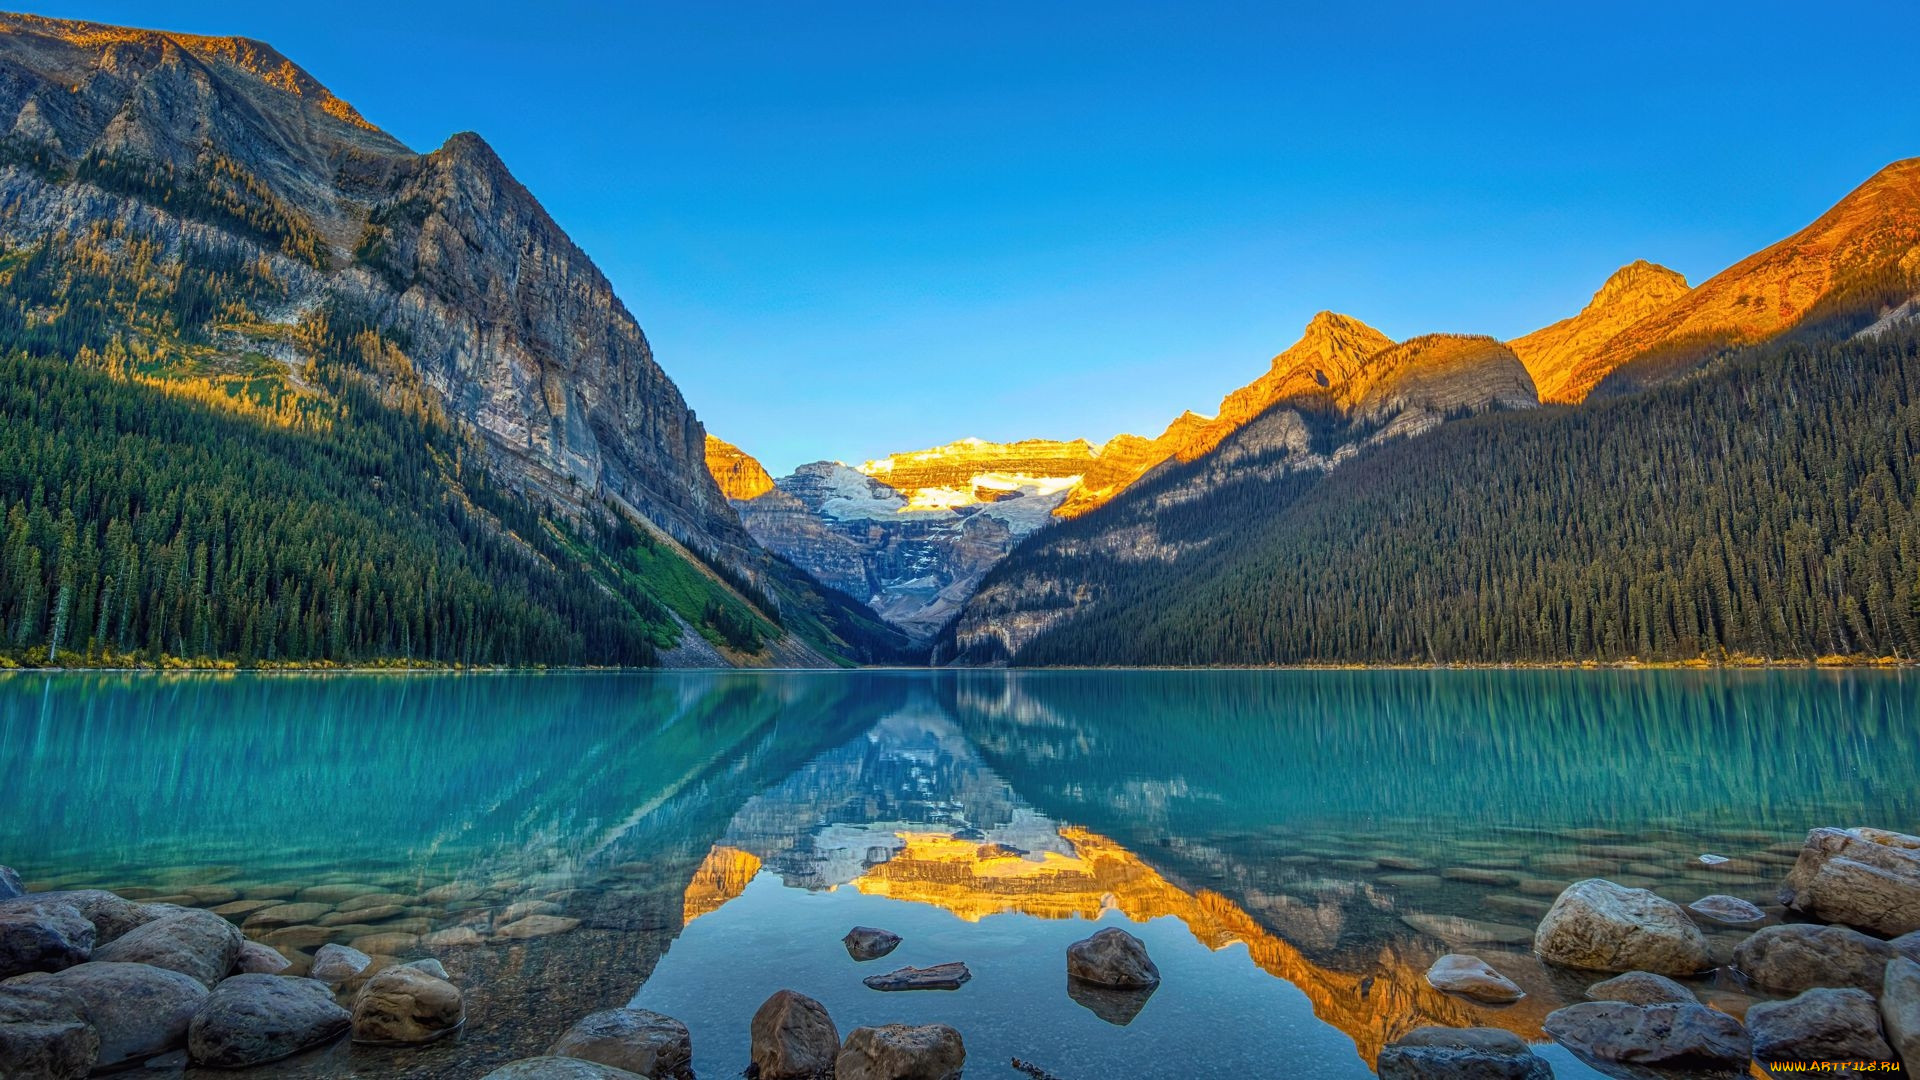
(856,228)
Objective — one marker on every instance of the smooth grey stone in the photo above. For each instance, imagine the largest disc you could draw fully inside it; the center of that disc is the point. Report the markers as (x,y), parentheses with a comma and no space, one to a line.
(1668,1035)
(937,977)
(1900,1010)
(48,938)
(1865,878)
(793,1038)
(190,941)
(1442,1053)
(869,943)
(110,915)
(1730,910)
(254,1019)
(1472,977)
(334,964)
(1112,958)
(647,1043)
(137,1009)
(1800,956)
(10,883)
(45,1032)
(1596,925)
(1640,988)
(1825,1024)
(901,1052)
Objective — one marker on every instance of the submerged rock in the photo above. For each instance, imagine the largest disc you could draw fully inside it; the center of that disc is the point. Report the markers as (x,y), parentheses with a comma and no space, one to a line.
(1671,1035)
(190,941)
(1470,976)
(1441,1053)
(431,966)
(793,1038)
(1597,925)
(647,1043)
(1730,910)
(534,926)
(405,1005)
(1819,1025)
(258,959)
(48,938)
(1801,956)
(558,1068)
(901,1052)
(1866,878)
(137,1010)
(1900,1010)
(1112,958)
(45,1032)
(937,977)
(110,915)
(870,943)
(1640,988)
(10,883)
(253,1019)
(336,964)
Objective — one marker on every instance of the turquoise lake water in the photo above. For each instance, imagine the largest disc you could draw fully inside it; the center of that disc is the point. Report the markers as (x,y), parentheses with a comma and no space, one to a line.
(1294,847)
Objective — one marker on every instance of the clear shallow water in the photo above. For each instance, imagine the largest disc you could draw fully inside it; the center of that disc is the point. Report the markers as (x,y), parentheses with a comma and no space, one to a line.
(1295,847)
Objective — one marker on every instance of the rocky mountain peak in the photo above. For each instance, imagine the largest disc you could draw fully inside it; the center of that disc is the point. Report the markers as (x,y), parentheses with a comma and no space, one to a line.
(1639,285)
(737,473)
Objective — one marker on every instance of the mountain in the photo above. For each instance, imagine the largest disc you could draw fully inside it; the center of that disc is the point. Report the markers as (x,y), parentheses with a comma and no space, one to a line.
(739,475)
(912,533)
(1855,261)
(1180,515)
(201,220)
(1633,293)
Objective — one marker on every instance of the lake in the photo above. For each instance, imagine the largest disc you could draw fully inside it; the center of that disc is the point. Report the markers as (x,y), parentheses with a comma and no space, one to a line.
(1295,848)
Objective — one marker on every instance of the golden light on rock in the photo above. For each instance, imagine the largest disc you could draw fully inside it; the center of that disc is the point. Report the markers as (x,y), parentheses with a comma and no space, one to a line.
(722,875)
(737,473)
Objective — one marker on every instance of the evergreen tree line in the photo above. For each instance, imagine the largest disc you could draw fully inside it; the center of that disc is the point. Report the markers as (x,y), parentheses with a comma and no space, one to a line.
(1763,508)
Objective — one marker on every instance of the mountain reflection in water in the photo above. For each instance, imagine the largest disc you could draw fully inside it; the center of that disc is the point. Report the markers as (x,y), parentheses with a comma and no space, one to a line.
(1332,832)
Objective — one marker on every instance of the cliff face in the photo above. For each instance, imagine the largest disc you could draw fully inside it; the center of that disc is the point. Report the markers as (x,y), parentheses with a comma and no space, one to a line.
(1633,293)
(454,291)
(1397,392)
(739,475)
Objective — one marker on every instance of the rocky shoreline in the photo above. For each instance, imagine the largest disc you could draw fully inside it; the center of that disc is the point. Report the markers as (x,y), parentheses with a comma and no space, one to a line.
(93,981)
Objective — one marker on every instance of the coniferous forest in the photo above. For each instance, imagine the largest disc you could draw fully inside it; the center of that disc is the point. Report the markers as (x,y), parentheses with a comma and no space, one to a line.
(1763,509)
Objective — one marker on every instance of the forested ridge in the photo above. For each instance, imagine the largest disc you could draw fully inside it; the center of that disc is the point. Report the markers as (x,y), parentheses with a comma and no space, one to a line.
(1764,508)
(169,498)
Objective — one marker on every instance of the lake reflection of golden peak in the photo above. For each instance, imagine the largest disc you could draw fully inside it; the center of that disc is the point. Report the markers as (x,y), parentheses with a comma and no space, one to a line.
(1385,1000)
(722,876)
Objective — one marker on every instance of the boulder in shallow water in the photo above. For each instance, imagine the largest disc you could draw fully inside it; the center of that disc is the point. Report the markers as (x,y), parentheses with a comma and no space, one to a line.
(1900,1010)
(1597,925)
(901,1052)
(1864,878)
(558,1068)
(138,1010)
(1819,1025)
(10,883)
(1472,977)
(188,940)
(258,959)
(869,942)
(1668,1036)
(431,966)
(404,1005)
(793,1038)
(110,915)
(1112,958)
(937,977)
(45,1032)
(535,926)
(1801,956)
(48,938)
(646,1043)
(254,1019)
(1441,1053)
(336,964)
(1730,910)
(1640,988)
